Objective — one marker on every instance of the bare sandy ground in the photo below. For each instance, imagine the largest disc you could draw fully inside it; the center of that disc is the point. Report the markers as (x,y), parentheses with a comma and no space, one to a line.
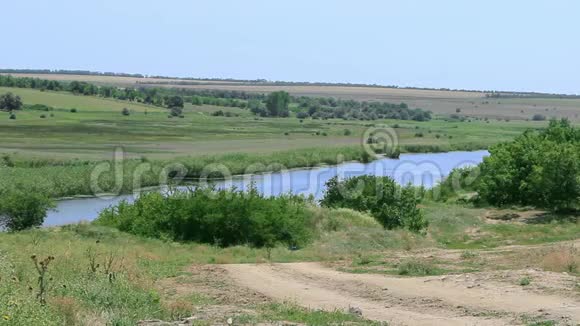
(446,300)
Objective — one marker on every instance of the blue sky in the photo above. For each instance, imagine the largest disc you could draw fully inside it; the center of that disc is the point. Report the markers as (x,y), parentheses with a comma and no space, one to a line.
(507,45)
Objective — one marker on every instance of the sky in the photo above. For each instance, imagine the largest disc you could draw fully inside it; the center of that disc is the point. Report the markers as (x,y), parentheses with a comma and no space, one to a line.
(486,45)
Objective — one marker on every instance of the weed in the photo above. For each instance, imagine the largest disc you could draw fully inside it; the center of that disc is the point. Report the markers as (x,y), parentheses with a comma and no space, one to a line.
(466,255)
(525,281)
(42,268)
(416,268)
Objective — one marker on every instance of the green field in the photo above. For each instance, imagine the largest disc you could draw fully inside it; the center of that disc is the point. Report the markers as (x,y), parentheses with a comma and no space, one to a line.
(100,276)
(98,127)
(153,279)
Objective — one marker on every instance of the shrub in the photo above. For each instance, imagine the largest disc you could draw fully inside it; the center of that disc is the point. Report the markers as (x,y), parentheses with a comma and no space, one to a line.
(220,217)
(43,116)
(177,111)
(392,205)
(73,110)
(416,268)
(23,208)
(12,116)
(524,281)
(125,112)
(539,117)
(10,102)
(277,104)
(347,132)
(541,169)
(459,180)
(302,115)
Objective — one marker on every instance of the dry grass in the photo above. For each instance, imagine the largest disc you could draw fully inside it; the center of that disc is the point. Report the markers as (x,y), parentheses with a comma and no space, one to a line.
(562,259)
(69,308)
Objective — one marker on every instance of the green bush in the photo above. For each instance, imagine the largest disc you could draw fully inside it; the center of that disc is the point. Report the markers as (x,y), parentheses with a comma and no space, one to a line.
(459,180)
(416,268)
(537,168)
(23,208)
(177,111)
(392,205)
(220,217)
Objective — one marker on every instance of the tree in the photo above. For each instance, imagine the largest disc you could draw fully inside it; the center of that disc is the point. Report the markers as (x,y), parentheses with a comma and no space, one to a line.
(176,112)
(392,205)
(537,168)
(23,209)
(539,117)
(10,102)
(302,115)
(196,100)
(277,104)
(173,101)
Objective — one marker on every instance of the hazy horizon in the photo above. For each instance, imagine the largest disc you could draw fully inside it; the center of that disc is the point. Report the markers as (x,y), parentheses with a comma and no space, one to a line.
(515,46)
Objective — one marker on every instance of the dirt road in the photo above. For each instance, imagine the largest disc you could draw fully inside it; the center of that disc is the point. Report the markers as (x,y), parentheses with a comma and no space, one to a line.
(447,300)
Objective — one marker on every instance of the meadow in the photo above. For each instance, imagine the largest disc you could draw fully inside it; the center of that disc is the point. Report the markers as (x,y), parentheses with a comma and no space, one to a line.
(96,275)
(101,276)
(56,150)
(97,127)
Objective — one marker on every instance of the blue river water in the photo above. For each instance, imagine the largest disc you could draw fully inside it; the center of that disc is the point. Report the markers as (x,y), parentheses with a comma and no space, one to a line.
(418,169)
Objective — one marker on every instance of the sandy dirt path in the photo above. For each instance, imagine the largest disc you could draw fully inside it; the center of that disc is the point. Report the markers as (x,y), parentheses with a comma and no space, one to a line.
(402,301)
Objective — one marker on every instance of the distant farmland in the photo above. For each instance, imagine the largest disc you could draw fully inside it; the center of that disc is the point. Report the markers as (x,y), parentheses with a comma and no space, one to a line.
(441,102)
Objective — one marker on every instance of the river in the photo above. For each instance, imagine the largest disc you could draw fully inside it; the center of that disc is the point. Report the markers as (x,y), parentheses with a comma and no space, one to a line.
(419,169)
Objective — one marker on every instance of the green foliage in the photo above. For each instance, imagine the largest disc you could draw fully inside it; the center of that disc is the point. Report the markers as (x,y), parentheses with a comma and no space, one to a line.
(293,313)
(302,115)
(176,111)
(394,206)
(277,104)
(173,101)
(220,217)
(196,100)
(538,168)
(327,108)
(416,268)
(525,281)
(22,208)
(459,180)
(10,102)
(125,112)
(73,177)
(75,296)
(539,117)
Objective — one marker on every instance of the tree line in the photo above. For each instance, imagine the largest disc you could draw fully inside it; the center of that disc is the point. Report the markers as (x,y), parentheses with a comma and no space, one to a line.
(276,104)
(328,107)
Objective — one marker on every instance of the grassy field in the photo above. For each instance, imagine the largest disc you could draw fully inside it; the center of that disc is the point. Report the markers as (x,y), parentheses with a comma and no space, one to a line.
(98,127)
(100,276)
(473,104)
